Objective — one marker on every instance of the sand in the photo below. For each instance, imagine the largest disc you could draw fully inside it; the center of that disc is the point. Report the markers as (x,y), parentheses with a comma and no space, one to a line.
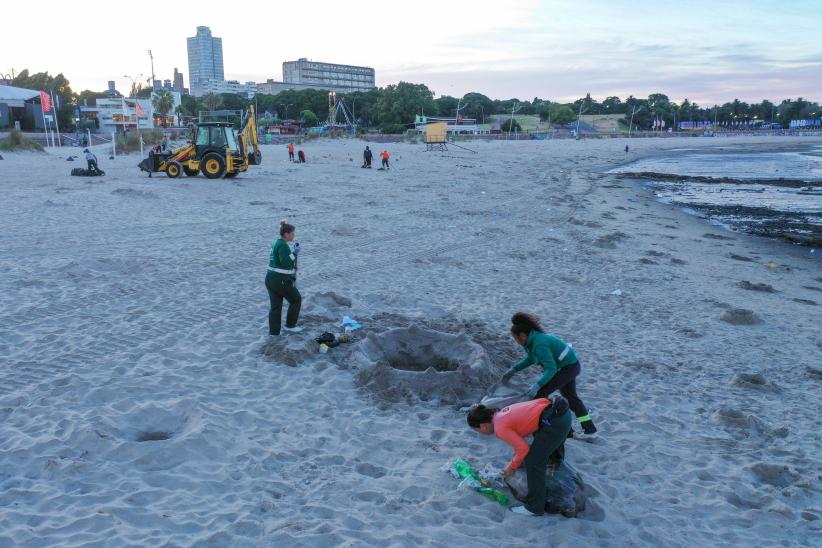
(141,403)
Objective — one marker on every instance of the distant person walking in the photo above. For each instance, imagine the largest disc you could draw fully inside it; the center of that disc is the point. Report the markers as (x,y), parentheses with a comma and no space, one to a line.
(280,280)
(301,156)
(91,160)
(291,152)
(366,157)
(385,156)
(164,143)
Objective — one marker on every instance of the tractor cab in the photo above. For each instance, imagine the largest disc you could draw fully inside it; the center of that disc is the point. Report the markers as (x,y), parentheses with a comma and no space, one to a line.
(215,137)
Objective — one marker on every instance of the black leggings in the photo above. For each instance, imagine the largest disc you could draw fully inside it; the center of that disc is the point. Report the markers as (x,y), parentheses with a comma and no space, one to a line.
(281,287)
(565,381)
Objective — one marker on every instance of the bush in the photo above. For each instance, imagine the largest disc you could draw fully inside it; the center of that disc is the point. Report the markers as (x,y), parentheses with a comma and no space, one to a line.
(130,142)
(393,128)
(18,141)
(510,125)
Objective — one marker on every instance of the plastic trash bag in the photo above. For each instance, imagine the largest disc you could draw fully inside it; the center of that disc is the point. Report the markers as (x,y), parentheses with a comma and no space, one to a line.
(565,491)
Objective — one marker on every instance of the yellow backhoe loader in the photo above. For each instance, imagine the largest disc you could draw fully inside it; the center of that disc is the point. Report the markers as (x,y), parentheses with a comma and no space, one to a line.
(218,150)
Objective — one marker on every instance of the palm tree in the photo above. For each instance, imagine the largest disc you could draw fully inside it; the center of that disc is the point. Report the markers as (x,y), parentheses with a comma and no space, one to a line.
(163,102)
(212,101)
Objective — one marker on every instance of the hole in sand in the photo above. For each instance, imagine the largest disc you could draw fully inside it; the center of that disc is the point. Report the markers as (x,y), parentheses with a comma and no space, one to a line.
(403,363)
(154,436)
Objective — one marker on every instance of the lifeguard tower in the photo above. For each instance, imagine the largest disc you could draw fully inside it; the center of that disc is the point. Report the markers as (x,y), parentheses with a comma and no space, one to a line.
(436,136)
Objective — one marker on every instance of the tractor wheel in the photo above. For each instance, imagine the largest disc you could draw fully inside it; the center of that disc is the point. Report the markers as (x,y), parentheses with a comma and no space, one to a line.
(231,175)
(255,158)
(191,172)
(213,165)
(174,170)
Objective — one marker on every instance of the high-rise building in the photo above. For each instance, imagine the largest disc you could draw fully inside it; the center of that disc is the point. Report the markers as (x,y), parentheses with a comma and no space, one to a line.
(205,59)
(178,84)
(328,75)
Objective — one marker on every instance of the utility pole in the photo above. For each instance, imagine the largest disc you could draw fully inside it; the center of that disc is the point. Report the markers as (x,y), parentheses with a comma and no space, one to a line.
(152,69)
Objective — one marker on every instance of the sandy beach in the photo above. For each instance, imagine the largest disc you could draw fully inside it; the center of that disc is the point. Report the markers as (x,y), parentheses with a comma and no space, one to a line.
(141,403)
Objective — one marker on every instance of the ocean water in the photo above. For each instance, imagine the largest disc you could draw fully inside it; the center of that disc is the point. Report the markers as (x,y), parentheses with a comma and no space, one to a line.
(776,194)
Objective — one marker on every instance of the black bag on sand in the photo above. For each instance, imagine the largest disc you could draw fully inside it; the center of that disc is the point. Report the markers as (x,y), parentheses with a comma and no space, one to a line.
(80,172)
(328,339)
(565,492)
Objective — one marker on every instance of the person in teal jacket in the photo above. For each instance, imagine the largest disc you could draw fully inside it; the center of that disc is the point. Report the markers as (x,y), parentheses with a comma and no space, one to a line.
(280,279)
(559,364)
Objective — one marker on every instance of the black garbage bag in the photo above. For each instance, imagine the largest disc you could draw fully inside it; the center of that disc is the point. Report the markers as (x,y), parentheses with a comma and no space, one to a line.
(80,172)
(565,493)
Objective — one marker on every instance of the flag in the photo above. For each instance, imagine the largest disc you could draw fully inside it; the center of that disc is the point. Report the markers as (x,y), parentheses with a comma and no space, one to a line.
(45,101)
(138,109)
(125,108)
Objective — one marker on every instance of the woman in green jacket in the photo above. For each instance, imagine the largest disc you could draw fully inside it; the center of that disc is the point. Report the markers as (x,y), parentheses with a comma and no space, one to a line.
(282,273)
(558,361)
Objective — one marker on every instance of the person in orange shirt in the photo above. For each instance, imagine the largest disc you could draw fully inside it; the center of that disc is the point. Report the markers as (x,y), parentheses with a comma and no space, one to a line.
(548,420)
(385,156)
(291,152)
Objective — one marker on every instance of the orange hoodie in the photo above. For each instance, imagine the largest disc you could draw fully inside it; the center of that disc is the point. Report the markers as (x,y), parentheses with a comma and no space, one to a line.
(513,423)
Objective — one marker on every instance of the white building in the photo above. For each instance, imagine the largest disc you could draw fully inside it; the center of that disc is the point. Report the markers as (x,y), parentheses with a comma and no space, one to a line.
(248,90)
(205,59)
(120,114)
(328,76)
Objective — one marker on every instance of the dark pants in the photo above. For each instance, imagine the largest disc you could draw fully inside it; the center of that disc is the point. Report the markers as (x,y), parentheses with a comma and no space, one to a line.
(565,381)
(548,443)
(367,162)
(291,155)
(92,165)
(385,163)
(301,156)
(281,287)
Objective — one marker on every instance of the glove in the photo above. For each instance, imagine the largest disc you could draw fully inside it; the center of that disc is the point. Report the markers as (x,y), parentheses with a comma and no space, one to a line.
(532,392)
(296,250)
(508,374)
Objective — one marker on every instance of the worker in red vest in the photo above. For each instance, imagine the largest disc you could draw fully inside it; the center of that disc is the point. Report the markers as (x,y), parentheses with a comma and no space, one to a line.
(385,156)
(291,152)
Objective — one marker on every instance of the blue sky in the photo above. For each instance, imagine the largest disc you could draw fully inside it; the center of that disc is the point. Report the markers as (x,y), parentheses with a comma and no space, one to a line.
(707,51)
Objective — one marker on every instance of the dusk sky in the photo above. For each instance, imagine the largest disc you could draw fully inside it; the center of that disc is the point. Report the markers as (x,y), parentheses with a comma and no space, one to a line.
(707,51)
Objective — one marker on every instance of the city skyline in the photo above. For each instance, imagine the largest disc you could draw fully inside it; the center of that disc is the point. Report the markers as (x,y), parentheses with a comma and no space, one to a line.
(709,53)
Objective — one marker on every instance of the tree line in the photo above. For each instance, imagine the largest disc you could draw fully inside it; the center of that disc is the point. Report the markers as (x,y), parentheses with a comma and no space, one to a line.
(393,108)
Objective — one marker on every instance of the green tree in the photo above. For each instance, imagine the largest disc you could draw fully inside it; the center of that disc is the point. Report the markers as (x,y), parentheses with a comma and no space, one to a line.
(163,102)
(211,101)
(510,125)
(447,106)
(477,106)
(56,85)
(308,118)
(562,114)
(399,103)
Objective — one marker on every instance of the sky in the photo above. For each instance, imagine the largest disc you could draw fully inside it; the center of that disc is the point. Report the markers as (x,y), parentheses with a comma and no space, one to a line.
(707,51)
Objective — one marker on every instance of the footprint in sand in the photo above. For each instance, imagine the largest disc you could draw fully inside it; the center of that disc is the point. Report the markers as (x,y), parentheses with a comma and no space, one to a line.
(370,470)
(806,301)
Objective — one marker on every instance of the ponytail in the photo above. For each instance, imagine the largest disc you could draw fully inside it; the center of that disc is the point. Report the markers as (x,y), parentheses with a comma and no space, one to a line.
(285,228)
(480,414)
(523,323)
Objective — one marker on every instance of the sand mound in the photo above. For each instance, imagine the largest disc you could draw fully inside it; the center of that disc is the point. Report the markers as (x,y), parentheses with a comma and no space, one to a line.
(740,316)
(328,305)
(418,363)
(755,381)
(736,419)
(774,474)
(767,288)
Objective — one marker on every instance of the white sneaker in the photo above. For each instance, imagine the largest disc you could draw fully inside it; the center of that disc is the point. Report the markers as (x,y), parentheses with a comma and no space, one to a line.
(522,511)
(293,329)
(590,438)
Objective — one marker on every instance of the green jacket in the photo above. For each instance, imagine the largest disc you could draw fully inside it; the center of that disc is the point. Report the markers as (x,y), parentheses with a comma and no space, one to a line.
(282,260)
(547,350)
